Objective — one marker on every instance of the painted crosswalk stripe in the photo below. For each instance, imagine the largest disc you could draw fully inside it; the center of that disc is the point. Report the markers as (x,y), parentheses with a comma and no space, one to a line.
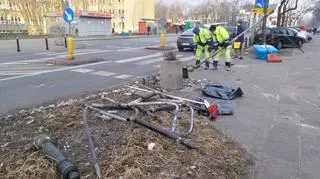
(138,58)
(153,61)
(123,76)
(103,73)
(82,70)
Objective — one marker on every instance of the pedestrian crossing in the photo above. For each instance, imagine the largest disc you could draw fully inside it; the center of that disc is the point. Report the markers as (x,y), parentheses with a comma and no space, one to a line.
(146,60)
(14,69)
(36,67)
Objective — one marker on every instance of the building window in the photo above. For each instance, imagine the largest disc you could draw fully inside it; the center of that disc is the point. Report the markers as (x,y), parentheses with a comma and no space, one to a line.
(122,11)
(114,24)
(119,11)
(119,1)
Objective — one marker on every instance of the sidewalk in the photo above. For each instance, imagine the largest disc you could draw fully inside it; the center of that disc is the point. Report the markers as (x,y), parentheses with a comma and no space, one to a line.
(277,119)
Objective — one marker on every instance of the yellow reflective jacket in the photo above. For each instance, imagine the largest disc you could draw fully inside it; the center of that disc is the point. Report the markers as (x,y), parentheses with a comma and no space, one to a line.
(220,35)
(203,37)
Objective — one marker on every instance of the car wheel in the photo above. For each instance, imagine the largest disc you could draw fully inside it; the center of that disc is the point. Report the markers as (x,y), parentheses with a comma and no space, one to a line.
(279,45)
(180,48)
(300,42)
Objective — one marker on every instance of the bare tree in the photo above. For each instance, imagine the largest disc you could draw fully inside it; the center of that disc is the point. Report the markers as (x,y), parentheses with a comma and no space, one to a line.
(285,7)
(161,10)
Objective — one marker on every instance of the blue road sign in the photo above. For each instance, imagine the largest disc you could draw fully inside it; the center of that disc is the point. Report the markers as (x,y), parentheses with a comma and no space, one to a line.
(68,15)
(260,4)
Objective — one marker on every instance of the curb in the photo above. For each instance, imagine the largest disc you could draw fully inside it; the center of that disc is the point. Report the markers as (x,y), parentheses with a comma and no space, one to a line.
(64,62)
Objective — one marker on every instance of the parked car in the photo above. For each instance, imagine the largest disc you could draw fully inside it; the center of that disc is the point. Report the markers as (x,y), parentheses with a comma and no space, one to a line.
(185,40)
(304,34)
(280,37)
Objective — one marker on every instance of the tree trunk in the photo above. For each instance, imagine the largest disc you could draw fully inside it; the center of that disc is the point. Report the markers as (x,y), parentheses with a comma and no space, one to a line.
(283,15)
(279,16)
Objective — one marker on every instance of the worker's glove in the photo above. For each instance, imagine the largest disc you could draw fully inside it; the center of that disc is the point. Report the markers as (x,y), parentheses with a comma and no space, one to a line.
(195,45)
(215,46)
(225,44)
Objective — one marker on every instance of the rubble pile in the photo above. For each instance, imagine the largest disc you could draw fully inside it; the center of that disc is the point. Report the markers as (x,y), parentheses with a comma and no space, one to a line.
(123,149)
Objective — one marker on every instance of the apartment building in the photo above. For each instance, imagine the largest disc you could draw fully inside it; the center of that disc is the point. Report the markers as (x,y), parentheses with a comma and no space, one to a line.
(11,21)
(126,14)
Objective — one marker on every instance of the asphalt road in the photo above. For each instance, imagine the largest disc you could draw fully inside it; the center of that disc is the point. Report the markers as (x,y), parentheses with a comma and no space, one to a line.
(26,79)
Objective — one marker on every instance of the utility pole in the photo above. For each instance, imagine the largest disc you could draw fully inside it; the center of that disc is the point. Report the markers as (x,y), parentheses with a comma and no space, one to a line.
(264,23)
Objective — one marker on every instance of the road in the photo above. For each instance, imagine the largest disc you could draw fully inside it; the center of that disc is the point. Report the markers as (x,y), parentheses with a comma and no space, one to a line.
(26,79)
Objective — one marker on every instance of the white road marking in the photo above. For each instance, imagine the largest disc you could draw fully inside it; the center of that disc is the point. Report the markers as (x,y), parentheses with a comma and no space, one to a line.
(12,73)
(51,58)
(56,70)
(103,73)
(153,61)
(139,58)
(82,70)
(123,76)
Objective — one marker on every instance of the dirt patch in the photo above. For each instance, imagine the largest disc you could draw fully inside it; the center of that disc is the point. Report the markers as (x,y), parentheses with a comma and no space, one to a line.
(122,147)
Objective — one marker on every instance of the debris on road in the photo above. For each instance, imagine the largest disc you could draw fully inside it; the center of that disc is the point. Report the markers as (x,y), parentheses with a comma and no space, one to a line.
(122,147)
(66,168)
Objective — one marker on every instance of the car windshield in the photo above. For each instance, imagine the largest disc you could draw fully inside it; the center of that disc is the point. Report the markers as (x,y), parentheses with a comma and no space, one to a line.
(188,32)
(294,29)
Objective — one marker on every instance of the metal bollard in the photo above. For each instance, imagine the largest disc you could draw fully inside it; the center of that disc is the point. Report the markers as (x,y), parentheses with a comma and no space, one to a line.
(47,44)
(18,45)
(70,48)
(162,42)
(65,166)
(65,41)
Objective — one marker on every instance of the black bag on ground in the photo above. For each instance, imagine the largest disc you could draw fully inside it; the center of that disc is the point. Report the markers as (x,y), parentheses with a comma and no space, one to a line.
(222,92)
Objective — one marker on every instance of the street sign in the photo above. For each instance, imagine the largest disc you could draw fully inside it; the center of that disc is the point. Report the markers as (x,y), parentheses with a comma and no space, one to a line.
(260,4)
(260,10)
(68,15)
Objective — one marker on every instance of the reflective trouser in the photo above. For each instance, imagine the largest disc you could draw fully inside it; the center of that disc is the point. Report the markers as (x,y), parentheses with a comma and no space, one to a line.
(200,50)
(227,53)
(238,51)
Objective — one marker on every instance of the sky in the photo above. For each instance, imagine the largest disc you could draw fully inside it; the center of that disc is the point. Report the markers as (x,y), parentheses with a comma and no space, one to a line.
(190,1)
(198,1)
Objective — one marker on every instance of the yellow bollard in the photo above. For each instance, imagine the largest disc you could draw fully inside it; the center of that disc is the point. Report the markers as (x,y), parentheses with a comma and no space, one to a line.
(162,43)
(70,48)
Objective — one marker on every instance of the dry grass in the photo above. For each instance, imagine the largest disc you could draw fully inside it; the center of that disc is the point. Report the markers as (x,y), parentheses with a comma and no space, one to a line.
(121,147)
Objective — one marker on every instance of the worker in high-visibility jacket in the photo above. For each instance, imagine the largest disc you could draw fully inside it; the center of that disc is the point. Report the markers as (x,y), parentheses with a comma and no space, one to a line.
(202,42)
(221,39)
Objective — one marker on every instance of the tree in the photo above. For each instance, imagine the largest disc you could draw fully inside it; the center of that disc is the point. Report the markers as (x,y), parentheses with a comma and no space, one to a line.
(161,9)
(285,7)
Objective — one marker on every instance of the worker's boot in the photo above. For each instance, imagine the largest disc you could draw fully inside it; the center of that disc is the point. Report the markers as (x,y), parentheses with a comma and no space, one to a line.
(215,65)
(207,65)
(228,66)
(197,62)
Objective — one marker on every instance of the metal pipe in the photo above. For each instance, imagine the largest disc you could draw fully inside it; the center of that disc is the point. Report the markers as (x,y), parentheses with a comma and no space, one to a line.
(92,150)
(166,133)
(150,90)
(44,143)
(160,130)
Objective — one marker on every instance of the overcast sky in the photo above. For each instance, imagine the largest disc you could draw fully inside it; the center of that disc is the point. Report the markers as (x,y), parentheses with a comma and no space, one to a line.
(198,1)
(190,1)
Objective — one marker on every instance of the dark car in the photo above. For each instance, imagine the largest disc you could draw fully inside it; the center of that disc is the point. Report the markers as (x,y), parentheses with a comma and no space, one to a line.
(185,40)
(232,30)
(280,37)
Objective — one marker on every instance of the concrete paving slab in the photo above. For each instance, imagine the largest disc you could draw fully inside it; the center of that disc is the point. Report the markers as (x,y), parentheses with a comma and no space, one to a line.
(277,119)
